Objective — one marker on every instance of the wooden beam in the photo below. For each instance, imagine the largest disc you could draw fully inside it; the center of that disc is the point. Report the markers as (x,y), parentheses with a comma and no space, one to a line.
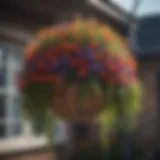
(10,11)
(17,33)
(48,9)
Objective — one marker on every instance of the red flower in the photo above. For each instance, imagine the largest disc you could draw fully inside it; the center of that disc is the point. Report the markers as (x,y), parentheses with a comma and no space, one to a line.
(132,62)
(83,73)
(55,78)
(103,75)
(82,64)
(46,78)
(50,52)
(42,66)
(48,55)
(110,66)
(73,62)
(33,76)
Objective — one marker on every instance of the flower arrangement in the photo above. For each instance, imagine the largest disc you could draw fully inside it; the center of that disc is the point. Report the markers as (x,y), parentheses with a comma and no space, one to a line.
(74,69)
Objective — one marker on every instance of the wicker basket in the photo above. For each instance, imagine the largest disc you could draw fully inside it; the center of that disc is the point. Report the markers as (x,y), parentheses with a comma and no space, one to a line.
(66,104)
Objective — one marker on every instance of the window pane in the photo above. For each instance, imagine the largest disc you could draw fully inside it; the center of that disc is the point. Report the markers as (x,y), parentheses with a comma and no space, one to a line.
(16,129)
(2,106)
(15,65)
(3,55)
(16,108)
(17,57)
(3,73)
(2,131)
(13,81)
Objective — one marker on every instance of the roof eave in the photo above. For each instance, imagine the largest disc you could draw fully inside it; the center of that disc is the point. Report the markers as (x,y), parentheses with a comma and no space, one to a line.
(109,10)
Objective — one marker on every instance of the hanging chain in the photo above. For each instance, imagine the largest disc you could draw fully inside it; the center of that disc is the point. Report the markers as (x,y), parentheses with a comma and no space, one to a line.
(136,5)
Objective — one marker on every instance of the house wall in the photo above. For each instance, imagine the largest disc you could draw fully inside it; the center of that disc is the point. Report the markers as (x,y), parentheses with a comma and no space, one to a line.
(146,134)
(146,130)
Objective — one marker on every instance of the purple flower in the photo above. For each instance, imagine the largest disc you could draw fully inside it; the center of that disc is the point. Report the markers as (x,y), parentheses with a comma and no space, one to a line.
(53,66)
(94,68)
(63,61)
(88,53)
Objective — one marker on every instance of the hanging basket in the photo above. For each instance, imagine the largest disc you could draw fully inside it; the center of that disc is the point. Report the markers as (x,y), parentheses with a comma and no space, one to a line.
(73,68)
(68,105)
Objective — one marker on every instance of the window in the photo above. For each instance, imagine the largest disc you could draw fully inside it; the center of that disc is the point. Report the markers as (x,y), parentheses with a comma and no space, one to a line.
(14,129)
(10,119)
(2,106)
(2,76)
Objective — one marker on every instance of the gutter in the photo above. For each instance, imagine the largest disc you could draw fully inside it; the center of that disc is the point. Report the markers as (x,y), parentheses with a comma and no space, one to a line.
(108,10)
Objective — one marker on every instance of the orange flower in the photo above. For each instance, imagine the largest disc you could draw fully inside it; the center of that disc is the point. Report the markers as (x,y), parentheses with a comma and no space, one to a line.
(46,33)
(73,28)
(108,36)
(92,45)
(132,62)
(31,48)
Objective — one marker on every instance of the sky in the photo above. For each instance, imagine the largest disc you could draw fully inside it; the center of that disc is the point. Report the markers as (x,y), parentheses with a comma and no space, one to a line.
(146,6)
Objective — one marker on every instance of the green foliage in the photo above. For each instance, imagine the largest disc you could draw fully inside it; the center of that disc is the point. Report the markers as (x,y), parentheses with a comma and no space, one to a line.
(36,102)
(121,114)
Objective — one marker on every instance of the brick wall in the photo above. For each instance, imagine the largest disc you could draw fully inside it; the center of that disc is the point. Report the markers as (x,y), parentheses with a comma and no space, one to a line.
(146,133)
